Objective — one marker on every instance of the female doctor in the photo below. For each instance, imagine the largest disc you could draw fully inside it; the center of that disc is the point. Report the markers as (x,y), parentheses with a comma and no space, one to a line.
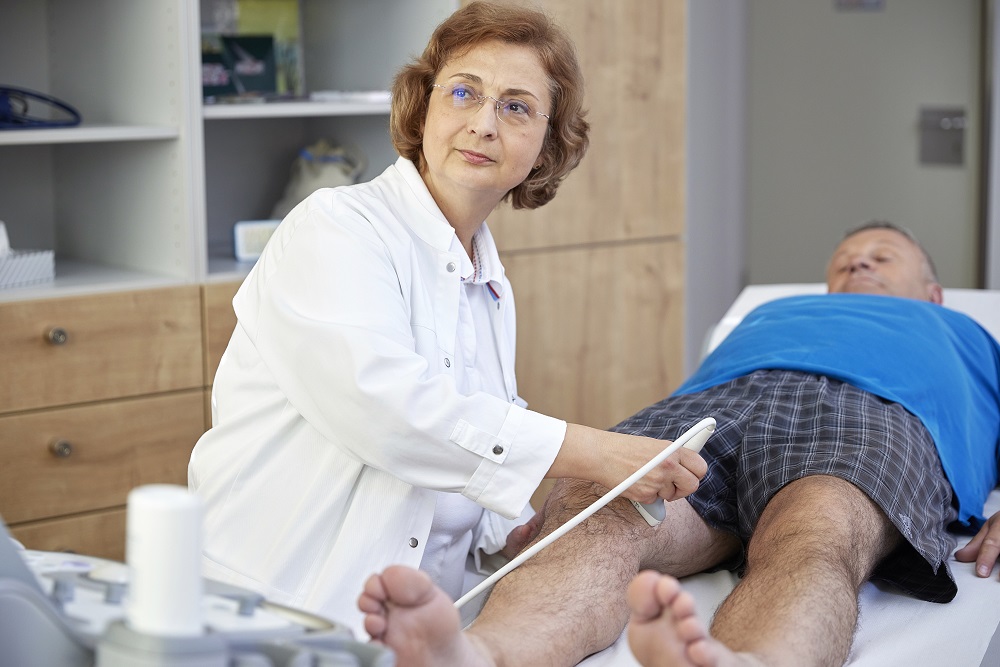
(365,412)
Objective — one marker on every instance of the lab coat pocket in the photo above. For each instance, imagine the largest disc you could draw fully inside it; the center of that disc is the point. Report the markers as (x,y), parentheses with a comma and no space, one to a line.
(426,344)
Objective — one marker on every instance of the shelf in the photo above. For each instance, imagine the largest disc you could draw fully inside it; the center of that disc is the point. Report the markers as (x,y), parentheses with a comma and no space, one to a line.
(155,178)
(74,277)
(302,109)
(86,134)
(223,269)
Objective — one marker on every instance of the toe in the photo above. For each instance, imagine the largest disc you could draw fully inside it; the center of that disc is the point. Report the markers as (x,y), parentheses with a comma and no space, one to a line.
(642,596)
(406,586)
(375,625)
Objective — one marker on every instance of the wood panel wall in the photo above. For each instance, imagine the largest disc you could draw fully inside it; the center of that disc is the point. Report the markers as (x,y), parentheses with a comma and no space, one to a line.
(598,272)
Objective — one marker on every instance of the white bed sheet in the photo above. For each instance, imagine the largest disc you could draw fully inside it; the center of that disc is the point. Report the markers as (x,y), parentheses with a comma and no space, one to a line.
(894,629)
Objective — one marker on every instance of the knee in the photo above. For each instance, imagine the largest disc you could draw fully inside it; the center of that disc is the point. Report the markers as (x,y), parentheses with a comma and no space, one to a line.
(569,497)
(824,520)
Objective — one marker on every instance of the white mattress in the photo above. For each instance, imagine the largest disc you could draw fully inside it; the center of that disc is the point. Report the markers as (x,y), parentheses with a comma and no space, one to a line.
(894,629)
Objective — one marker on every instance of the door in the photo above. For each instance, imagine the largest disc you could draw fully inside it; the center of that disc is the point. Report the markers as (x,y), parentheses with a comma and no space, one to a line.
(834,101)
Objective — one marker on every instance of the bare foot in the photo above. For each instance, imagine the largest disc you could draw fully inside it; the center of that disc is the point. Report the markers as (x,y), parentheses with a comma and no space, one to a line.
(664,630)
(405,611)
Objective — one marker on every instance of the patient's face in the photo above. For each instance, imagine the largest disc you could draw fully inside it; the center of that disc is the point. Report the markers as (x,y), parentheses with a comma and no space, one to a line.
(881,261)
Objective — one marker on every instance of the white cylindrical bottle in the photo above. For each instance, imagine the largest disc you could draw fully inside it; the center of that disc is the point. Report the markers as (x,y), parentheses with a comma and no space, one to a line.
(163,552)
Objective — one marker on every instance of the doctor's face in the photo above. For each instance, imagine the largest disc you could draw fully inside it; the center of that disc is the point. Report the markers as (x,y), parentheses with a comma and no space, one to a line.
(468,150)
(881,261)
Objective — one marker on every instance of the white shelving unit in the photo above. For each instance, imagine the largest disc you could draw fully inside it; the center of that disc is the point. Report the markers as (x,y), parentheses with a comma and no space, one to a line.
(87,134)
(111,196)
(294,110)
(146,190)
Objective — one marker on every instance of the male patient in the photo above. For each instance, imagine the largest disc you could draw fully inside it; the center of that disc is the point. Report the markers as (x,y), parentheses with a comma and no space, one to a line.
(853,429)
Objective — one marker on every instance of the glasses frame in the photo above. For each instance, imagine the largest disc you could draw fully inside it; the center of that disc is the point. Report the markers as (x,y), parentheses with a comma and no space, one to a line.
(481,100)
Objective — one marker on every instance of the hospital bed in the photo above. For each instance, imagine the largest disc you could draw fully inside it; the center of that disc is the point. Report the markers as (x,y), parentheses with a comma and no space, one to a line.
(894,629)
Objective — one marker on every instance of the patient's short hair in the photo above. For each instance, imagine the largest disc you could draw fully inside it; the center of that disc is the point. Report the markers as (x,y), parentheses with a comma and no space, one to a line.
(886,224)
(566,137)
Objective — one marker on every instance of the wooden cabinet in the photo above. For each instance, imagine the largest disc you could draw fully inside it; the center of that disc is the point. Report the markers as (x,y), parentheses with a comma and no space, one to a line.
(102,393)
(100,534)
(219,320)
(599,272)
(83,458)
(98,347)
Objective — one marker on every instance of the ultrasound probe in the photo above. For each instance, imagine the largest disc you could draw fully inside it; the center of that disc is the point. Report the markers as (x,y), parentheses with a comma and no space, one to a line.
(694,438)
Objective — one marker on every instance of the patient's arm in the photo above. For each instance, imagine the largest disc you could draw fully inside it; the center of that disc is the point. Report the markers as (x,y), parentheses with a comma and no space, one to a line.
(984,548)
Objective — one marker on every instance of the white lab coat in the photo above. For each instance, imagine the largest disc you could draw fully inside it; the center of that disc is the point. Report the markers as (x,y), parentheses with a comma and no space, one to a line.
(335,415)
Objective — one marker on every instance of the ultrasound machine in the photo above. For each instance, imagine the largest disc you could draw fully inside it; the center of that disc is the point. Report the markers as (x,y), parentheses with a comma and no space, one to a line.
(67,610)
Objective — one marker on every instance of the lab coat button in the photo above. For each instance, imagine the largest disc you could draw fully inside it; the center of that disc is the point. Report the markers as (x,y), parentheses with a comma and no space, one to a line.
(414,542)
(451,267)
(498,450)
(447,362)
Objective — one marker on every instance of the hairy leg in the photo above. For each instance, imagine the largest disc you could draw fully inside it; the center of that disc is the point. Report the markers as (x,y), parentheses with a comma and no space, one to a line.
(568,601)
(817,541)
(563,604)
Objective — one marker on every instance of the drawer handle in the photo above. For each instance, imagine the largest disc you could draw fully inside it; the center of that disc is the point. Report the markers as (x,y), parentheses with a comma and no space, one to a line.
(57,336)
(61,449)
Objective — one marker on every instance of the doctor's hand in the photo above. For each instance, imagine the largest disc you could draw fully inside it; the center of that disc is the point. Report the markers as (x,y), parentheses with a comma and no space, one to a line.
(984,548)
(521,536)
(608,458)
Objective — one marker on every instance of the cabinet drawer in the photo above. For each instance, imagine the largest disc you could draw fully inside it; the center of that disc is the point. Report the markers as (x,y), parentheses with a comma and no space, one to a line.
(69,460)
(89,348)
(100,534)
(220,320)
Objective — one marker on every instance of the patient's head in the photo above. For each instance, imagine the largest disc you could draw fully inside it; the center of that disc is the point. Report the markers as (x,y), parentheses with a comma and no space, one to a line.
(881,258)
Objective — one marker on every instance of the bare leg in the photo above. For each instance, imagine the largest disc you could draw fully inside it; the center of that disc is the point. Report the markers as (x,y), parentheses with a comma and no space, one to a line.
(569,600)
(818,540)
(566,602)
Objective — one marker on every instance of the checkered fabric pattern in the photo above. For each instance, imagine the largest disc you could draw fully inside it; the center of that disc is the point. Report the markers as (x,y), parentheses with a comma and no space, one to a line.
(778,426)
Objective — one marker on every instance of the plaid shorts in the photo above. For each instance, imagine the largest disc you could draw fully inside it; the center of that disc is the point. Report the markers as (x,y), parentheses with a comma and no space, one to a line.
(778,426)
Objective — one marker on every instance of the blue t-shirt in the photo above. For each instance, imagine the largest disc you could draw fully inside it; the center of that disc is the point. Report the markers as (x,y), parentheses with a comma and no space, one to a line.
(939,364)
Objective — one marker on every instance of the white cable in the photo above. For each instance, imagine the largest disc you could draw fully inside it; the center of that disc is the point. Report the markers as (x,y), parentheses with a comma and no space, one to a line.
(708,422)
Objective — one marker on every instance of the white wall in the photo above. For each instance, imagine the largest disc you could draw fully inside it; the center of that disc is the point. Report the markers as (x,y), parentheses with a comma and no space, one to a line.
(715,162)
(992,239)
(833,131)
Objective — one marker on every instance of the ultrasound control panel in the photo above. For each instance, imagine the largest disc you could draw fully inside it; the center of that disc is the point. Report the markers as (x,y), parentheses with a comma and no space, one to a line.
(72,610)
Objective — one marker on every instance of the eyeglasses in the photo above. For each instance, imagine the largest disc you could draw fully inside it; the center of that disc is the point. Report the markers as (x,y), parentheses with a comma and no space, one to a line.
(515,112)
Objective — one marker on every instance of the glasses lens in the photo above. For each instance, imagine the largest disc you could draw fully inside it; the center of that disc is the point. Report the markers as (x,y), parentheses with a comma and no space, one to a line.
(515,112)
(460,95)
